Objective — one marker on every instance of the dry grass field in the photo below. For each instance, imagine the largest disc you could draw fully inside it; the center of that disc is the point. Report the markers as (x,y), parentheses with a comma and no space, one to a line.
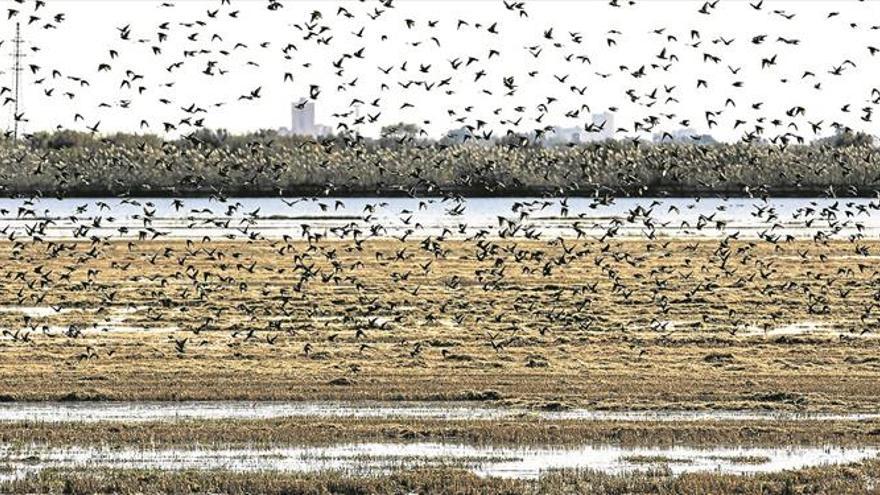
(622,325)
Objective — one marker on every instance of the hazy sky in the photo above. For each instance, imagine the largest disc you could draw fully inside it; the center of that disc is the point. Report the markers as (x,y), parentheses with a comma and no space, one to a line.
(608,77)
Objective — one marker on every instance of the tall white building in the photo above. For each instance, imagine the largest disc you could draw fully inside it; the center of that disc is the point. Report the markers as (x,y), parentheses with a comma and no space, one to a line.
(302,121)
(303,118)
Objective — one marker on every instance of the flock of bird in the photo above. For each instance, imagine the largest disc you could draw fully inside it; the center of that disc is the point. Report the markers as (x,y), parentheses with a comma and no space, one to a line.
(385,284)
(340,49)
(580,270)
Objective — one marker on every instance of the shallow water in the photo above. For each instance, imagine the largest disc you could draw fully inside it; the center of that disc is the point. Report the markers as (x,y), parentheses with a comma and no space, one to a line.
(163,411)
(275,218)
(803,329)
(34,311)
(84,322)
(517,462)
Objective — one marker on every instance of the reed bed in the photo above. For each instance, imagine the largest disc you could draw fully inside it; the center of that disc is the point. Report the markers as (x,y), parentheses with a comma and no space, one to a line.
(265,164)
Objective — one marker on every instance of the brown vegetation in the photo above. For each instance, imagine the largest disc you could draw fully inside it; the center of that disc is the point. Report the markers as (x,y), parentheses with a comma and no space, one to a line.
(263,164)
(675,326)
(855,479)
(529,430)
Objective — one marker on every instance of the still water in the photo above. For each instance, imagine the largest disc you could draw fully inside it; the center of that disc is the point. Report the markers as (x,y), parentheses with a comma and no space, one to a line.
(366,458)
(88,412)
(370,217)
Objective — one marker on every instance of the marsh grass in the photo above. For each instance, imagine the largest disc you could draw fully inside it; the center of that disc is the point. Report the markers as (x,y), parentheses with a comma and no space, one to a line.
(598,350)
(525,431)
(850,479)
(656,459)
(740,459)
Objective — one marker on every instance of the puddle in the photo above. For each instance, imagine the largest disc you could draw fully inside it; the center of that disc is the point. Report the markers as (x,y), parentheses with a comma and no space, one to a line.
(798,329)
(366,458)
(115,323)
(166,411)
(34,311)
(112,327)
(94,329)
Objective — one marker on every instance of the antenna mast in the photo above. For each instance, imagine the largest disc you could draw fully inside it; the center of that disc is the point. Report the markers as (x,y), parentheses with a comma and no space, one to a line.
(16,70)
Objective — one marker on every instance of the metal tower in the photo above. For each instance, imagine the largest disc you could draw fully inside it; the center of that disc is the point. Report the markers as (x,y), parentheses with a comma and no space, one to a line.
(16,71)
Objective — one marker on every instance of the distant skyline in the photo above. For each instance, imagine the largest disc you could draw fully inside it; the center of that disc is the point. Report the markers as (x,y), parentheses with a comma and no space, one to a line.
(597,58)
(302,120)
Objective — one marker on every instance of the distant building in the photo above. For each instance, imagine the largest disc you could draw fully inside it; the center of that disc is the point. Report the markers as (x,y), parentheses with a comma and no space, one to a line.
(685,135)
(600,128)
(302,121)
(303,118)
(566,135)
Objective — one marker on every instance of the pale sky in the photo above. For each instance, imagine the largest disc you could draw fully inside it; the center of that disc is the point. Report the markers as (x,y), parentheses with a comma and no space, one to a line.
(91,28)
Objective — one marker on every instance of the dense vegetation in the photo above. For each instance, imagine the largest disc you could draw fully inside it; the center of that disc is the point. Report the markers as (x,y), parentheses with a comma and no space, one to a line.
(265,164)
